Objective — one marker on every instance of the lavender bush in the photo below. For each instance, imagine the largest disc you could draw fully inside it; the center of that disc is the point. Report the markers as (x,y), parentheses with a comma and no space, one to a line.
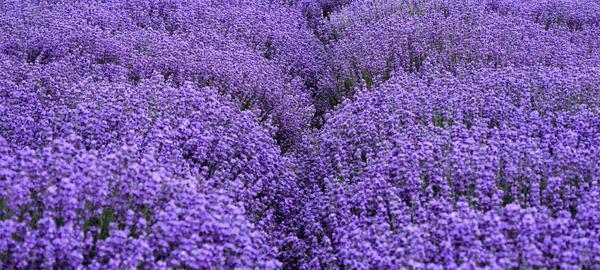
(299,134)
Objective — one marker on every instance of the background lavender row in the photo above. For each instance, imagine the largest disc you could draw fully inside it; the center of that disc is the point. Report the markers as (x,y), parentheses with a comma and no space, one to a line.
(299,134)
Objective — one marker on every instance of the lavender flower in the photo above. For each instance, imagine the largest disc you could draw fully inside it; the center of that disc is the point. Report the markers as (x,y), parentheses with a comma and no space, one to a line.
(299,134)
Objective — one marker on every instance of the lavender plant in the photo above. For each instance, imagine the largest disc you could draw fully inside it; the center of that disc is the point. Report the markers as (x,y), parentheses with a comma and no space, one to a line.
(417,153)
(299,134)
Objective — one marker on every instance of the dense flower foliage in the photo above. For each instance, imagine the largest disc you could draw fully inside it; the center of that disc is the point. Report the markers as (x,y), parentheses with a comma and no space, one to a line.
(266,70)
(65,206)
(299,134)
(401,168)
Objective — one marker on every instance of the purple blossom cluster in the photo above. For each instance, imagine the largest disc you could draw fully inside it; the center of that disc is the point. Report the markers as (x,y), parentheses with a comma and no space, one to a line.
(299,134)
(495,168)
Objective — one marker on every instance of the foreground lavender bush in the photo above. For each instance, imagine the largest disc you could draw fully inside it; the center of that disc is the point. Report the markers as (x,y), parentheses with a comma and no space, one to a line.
(483,170)
(299,134)
(141,135)
(64,207)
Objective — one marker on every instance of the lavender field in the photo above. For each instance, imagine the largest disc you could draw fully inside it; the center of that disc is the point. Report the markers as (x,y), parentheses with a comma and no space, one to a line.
(300,134)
